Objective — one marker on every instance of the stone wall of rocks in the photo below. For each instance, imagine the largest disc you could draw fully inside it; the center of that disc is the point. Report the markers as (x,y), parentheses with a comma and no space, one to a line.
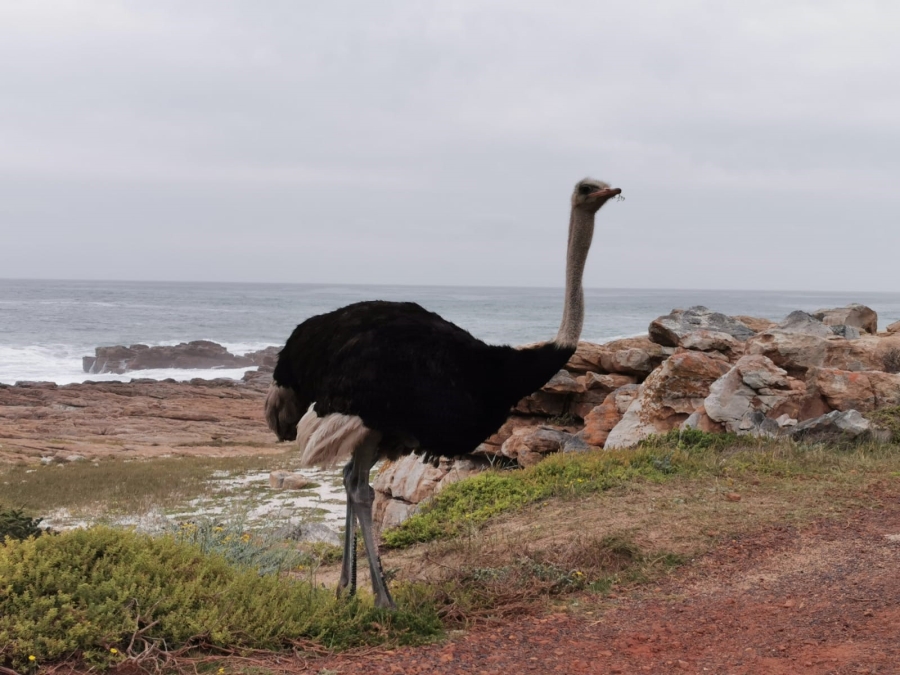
(809,376)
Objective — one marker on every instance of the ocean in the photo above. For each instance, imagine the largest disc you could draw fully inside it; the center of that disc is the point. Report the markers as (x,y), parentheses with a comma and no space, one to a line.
(47,326)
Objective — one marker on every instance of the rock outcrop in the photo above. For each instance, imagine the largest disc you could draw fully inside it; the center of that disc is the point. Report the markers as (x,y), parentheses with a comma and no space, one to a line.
(199,354)
(696,369)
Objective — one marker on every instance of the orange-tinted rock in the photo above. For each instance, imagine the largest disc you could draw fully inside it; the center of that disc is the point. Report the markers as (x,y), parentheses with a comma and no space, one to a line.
(637,356)
(667,398)
(856,315)
(603,418)
(857,390)
(755,324)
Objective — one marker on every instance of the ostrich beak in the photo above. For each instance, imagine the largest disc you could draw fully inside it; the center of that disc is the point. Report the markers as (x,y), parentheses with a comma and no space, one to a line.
(605,193)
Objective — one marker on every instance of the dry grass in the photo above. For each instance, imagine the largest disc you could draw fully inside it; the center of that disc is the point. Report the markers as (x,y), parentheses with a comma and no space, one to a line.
(121,486)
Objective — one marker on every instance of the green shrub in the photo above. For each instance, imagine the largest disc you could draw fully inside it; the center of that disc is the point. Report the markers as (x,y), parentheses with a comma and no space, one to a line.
(103,595)
(888,418)
(16,525)
(232,539)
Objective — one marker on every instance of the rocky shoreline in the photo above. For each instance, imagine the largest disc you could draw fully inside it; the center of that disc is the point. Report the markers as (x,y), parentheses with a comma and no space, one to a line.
(42,421)
(809,376)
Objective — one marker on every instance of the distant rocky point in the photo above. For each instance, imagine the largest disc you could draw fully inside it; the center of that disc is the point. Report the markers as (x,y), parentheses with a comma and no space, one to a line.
(199,354)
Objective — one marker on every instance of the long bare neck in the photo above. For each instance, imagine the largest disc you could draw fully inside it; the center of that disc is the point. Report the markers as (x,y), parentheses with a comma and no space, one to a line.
(581,231)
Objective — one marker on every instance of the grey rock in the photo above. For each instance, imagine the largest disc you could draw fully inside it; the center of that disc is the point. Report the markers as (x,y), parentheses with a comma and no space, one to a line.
(742,397)
(669,330)
(755,423)
(845,331)
(836,425)
(799,322)
(576,444)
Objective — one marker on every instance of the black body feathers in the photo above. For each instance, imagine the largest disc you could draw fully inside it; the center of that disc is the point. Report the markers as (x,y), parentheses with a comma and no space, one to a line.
(420,380)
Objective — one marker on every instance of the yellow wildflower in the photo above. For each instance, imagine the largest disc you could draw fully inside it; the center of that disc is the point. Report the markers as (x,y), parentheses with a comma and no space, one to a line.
(113,651)
(32,657)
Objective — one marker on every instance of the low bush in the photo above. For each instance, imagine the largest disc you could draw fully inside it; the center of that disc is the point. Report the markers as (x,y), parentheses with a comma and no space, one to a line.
(101,596)
(16,525)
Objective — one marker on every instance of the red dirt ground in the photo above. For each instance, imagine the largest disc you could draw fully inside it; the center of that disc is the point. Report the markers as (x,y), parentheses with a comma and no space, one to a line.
(824,599)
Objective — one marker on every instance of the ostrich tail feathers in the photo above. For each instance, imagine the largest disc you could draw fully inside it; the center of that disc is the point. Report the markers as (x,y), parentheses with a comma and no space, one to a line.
(326,441)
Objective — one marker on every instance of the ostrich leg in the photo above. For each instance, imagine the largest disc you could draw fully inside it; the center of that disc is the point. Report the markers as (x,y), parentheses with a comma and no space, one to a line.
(361,496)
(348,562)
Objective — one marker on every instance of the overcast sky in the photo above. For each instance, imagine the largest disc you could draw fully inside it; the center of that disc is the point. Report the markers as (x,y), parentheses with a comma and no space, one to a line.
(757,143)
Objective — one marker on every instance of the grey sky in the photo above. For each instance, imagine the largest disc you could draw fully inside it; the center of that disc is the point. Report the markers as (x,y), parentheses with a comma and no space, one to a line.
(757,143)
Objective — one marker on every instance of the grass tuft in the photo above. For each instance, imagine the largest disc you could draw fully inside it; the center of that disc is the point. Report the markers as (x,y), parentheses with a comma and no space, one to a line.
(888,418)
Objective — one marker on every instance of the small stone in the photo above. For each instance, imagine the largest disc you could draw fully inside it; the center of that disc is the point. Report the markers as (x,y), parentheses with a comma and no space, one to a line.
(733,497)
(276,479)
(295,481)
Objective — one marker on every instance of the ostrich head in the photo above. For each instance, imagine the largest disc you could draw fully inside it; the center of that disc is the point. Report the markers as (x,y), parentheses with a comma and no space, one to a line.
(591,194)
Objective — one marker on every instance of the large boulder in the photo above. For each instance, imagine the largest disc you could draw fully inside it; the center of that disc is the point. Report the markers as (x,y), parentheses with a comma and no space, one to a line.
(845,390)
(799,322)
(668,397)
(894,327)
(834,426)
(637,356)
(856,315)
(754,390)
(795,352)
(671,329)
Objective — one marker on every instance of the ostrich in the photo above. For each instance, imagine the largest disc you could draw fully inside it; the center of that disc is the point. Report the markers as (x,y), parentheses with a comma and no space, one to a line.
(380,379)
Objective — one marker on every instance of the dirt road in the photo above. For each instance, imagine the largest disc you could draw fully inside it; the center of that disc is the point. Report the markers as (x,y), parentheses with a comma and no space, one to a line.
(824,599)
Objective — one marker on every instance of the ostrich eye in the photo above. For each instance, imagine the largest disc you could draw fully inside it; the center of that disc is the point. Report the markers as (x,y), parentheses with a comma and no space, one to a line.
(586,189)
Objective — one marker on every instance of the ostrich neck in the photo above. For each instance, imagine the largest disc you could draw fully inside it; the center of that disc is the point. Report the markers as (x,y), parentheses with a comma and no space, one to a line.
(581,231)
